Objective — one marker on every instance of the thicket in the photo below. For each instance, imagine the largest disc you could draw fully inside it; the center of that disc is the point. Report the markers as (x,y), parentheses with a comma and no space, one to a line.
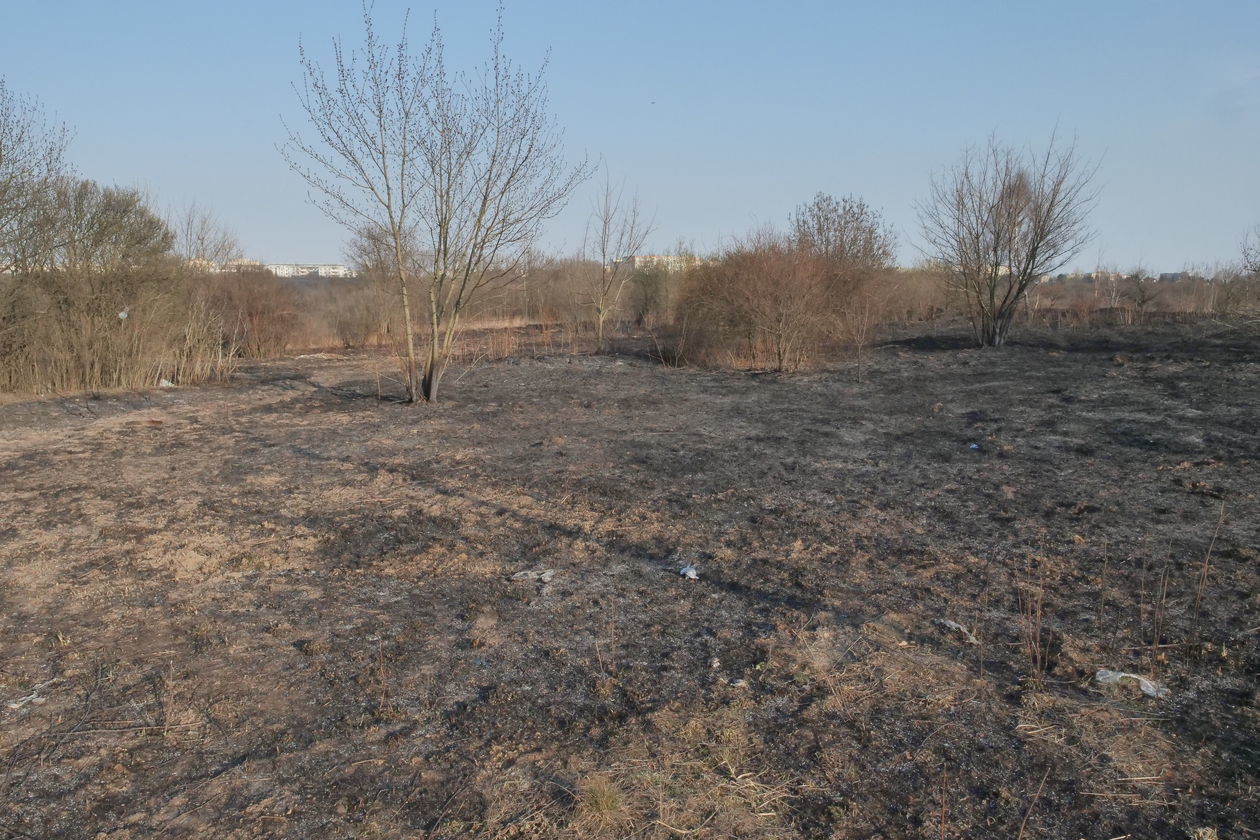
(98,290)
(781,300)
(92,297)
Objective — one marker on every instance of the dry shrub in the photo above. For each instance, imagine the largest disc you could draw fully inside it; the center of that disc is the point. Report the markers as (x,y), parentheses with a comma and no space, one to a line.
(1141,295)
(649,296)
(259,311)
(780,301)
(1194,294)
(91,298)
(551,296)
(921,293)
(1109,298)
(775,303)
(121,328)
(268,316)
(765,303)
(346,312)
(1237,295)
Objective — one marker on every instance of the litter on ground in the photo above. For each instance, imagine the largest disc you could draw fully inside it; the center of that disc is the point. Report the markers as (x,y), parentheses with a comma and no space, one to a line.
(1149,687)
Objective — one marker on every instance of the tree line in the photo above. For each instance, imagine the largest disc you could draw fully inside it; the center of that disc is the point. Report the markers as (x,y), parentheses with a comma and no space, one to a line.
(443,180)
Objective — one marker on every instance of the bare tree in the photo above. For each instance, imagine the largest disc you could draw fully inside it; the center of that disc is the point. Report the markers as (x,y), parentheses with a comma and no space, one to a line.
(649,287)
(1002,218)
(847,232)
(200,237)
(105,229)
(1109,285)
(1251,252)
(1139,294)
(615,231)
(496,169)
(31,159)
(363,162)
(457,172)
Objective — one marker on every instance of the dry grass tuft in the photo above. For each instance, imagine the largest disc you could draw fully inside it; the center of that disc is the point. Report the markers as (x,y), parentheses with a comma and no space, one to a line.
(601,804)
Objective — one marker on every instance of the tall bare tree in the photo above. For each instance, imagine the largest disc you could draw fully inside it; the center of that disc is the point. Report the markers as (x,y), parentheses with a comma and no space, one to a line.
(363,162)
(615,231)
(456,171)
(31,159)
(1000,219)
(496,169)
(199,236)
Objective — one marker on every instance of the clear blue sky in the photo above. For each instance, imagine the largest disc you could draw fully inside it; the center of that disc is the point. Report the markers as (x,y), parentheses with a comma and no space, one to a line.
(722,115)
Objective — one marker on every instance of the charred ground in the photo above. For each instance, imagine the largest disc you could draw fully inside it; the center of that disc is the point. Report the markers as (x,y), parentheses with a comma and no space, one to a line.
(286,608)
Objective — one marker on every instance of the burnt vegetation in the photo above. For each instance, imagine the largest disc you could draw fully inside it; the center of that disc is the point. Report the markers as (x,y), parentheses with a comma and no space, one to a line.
(360,624)
(782,540)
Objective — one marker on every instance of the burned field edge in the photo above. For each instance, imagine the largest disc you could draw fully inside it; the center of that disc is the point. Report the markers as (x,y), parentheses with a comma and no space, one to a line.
(284,608)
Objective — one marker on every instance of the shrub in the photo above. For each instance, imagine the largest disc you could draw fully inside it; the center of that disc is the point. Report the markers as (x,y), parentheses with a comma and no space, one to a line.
(70,331)
(765,303)
(649,295)
(258,310)
(98,302)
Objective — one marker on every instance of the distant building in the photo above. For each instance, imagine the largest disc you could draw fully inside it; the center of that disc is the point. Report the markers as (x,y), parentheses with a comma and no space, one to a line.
(309,270)
(669,262)
(1103,277)
(278,269)
(1089,278)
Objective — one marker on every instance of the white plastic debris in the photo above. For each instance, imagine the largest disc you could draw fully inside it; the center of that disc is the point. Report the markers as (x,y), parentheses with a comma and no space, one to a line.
(122,316)
(34,698)
(1149,687)
(975,446)
(967,635)
(690,572)
(543,575)
(165,383)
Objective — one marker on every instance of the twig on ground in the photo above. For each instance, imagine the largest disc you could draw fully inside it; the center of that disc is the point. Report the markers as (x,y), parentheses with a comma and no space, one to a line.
(1032,805)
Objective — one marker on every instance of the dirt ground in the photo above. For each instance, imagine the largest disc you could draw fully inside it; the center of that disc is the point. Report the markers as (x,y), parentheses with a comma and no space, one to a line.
(285,608)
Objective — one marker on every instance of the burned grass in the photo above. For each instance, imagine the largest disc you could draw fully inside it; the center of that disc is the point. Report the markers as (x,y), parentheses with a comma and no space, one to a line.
(284,608)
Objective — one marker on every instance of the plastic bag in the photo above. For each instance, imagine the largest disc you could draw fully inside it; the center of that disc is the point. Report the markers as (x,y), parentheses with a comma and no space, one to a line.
(1149,687)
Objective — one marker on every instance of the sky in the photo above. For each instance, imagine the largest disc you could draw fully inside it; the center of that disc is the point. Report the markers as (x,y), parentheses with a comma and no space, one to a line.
(721,116)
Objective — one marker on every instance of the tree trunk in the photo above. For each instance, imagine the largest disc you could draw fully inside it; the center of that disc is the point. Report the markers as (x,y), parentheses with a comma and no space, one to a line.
(408,330)
(429,383)
(991,332)
(995,330)
(434,367)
